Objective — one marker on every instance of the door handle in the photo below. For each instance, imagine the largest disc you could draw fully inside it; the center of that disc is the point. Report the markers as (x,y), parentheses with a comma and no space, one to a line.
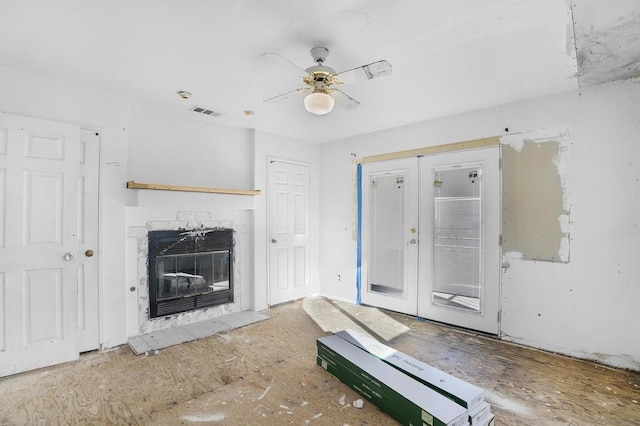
(88,253)
(67,256)
(273,241)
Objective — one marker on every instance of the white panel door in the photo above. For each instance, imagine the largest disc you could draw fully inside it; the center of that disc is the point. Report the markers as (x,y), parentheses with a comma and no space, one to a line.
(459,273)
(390,235)
(38,243)
(289,257)
(88,298)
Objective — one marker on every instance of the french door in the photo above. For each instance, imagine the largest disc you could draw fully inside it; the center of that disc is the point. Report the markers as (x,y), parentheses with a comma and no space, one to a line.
(390,234)
(460,249)
(430,237)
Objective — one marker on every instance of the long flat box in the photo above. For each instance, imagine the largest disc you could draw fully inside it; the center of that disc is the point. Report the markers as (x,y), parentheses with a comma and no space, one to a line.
(456,389)
(391,402)
(490,421)
(385,402)
(403,398)
(479,414)
(376,392)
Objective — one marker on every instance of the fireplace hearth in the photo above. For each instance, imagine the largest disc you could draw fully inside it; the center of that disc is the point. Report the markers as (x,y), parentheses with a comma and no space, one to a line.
(189,270)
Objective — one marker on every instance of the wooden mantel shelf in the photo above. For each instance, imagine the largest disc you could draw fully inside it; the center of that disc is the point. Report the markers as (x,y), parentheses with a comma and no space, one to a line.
(135,185)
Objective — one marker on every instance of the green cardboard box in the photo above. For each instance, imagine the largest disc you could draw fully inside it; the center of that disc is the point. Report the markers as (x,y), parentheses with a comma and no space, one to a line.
(463,393)
(387,403)
(403,398)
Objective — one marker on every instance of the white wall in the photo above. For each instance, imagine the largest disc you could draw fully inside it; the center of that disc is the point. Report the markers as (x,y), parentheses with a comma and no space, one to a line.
(586,308)
(173,149)
(270,146)
(33,96)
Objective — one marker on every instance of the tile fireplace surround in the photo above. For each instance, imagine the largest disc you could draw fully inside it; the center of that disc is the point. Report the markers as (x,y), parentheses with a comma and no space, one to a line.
(141,220)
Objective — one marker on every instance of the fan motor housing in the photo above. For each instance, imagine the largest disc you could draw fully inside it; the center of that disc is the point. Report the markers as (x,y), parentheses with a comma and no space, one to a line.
(320,70)
(320,76)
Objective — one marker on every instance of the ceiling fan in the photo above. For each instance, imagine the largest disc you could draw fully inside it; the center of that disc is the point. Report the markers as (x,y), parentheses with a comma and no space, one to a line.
(321,81)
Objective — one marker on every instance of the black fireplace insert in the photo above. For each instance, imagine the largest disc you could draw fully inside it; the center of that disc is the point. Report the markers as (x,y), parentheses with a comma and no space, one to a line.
(189,270)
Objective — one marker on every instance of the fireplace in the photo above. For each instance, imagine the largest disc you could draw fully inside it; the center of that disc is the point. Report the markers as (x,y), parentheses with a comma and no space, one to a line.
(189,270)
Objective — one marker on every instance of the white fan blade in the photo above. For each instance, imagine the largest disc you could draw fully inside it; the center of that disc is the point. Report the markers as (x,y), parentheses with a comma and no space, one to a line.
(344,101)
(283,62)
(284,96)
(366,72)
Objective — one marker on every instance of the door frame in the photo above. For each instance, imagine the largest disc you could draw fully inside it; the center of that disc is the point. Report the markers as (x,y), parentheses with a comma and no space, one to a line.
(358,164)
(93,307)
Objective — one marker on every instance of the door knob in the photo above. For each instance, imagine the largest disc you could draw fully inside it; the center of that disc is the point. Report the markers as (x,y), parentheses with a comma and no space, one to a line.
(273,241)
(412,241)
(88,253)
(67,256)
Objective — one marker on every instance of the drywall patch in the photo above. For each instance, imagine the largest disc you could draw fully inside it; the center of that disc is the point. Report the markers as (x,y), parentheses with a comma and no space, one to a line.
(535,195)
(607,42)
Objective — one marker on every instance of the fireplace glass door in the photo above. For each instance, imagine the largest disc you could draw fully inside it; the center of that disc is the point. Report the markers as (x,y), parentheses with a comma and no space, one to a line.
(189,270)
(192,274)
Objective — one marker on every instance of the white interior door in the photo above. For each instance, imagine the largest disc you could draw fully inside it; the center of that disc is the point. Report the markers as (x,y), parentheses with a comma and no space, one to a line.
(289,257)
(88,297)
(390,235)
(459,246)
(38,243)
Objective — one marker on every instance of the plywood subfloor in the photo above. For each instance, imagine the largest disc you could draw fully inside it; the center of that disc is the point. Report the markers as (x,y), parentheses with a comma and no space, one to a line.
(265,374)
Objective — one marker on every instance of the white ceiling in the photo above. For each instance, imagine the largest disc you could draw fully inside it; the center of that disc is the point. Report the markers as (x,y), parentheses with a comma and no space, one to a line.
(448,56)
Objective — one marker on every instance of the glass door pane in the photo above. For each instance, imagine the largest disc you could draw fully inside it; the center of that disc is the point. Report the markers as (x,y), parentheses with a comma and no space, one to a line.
(220,271)
(457,265)
(387,229)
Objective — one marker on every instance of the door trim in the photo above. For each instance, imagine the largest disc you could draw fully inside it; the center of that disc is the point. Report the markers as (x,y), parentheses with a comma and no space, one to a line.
(436,149)
(87,341)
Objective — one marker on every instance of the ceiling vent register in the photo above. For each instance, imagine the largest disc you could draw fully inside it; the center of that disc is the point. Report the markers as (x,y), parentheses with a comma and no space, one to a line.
(206,111)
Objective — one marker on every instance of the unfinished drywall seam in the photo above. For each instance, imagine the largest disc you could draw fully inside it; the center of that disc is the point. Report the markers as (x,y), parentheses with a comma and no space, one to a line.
(607,43)
(572,38)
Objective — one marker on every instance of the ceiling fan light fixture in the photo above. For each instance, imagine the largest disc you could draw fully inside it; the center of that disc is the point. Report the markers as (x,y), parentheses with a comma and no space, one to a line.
(319,103)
